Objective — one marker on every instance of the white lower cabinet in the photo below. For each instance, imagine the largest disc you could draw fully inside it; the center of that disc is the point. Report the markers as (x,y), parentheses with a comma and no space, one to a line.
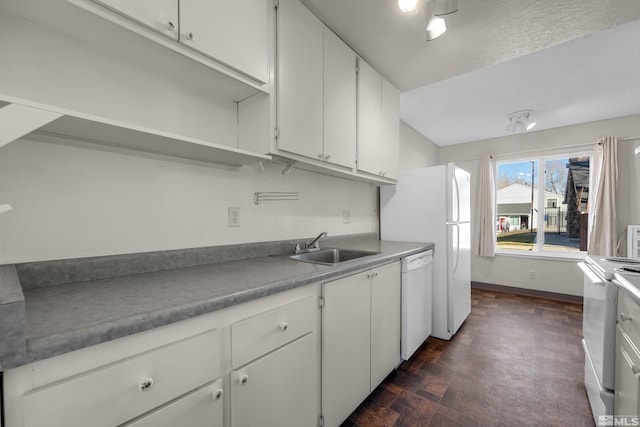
(345,346)
(276,359)
(627,380)
(116,393)
(280,389)
(627,392)
(203,407)
(360,337)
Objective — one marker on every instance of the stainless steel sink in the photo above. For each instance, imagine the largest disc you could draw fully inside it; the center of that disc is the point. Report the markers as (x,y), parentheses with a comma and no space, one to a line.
(331,256)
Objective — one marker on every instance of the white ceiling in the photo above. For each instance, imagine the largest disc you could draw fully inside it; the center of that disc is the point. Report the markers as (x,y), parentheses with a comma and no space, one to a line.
(571,61)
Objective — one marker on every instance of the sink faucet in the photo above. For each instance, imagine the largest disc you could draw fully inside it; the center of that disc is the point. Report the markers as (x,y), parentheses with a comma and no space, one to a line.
(314,242)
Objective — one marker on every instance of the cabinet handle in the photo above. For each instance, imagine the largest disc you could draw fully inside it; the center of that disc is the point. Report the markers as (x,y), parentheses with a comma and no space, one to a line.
(146,384)
(244,379)
(375,274)
(190,36)
(284,326)
(217,395)
(327,156)
(171,25)
(635,369)
(625,317)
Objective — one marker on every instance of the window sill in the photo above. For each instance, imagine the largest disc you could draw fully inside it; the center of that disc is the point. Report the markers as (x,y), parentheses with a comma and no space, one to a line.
(556,256)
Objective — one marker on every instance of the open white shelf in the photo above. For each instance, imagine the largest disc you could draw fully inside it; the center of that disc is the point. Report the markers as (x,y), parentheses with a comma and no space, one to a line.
(19,118)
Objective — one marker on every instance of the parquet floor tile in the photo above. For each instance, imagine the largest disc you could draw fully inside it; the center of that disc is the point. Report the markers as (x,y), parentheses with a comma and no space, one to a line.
(516,361)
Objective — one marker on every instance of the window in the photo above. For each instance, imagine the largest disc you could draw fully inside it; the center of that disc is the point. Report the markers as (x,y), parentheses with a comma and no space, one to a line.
(561,224)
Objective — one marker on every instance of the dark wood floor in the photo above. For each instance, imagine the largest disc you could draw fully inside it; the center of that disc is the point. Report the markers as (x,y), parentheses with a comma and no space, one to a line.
(516,361)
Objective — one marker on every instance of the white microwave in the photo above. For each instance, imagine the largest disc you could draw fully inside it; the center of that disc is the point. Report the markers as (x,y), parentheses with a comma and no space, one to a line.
(633,241)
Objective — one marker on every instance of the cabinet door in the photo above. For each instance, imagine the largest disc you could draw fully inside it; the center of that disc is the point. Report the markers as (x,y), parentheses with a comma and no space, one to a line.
(345,346)
(232,32)
(160,15)
(339,101)
(390,129)
(299,80)
(369,114)
(202,407)
(385,321)
(279,389)
(627,393)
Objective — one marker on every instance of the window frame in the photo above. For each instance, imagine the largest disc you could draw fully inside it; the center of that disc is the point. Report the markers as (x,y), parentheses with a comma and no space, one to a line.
(540,252)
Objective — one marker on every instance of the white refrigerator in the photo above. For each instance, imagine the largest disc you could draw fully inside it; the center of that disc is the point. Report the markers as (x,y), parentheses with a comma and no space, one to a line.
(433,205)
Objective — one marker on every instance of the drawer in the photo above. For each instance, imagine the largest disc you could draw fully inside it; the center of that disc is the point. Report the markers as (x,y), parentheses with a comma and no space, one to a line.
(260,334)
(627,392)
(202,407)
(629,316)
(119,392)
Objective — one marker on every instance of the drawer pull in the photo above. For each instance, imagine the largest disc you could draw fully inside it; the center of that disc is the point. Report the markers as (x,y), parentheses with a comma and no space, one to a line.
(244,379)
(625,317)
(217,395)
(284,326)
(146,384)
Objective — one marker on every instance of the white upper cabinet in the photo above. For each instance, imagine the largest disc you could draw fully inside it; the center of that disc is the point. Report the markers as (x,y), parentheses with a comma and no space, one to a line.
(369,114)
(378,123)
(232,32)
(339,101)
(316,89)
(299,115)
(160,15)
(390,129)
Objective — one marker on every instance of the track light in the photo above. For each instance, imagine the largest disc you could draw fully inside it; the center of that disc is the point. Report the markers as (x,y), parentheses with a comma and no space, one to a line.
(433,9)
(435,28)
(520,121)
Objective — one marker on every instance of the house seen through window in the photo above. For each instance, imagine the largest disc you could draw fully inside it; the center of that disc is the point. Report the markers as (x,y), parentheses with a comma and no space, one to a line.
(541,204)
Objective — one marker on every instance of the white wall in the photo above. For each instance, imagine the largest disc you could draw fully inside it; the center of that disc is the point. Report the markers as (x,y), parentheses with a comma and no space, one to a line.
(416,151)
(74,202)
(552,275)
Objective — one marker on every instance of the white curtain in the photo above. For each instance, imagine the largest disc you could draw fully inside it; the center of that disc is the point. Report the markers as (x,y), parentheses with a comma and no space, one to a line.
(602,198)
(485,230)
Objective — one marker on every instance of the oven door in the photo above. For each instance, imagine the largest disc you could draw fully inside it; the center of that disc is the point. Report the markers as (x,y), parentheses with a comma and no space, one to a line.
(599,324)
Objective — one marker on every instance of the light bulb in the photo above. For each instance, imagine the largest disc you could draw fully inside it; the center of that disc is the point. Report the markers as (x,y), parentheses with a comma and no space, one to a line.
(435,28)
(407,5)
(531,125)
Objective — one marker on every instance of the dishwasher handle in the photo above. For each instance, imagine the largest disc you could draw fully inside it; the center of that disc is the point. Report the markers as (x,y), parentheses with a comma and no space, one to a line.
(419,260)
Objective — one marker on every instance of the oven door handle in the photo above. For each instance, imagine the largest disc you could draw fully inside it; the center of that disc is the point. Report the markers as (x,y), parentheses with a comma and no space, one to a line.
(593,278)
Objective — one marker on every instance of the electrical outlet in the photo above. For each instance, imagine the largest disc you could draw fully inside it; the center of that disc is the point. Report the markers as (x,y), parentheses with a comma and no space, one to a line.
(234,217)
(532,275)
(346,217)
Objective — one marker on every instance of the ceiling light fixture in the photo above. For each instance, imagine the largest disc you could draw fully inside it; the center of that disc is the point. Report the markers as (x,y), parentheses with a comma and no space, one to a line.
(433,9)
(520,121)
(407,5)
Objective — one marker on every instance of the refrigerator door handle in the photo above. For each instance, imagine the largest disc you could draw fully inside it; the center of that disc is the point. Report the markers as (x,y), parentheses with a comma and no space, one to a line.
(455,183)
(455,266)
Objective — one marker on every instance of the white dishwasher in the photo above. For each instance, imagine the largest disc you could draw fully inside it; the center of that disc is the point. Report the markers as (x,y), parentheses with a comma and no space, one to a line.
(417,284)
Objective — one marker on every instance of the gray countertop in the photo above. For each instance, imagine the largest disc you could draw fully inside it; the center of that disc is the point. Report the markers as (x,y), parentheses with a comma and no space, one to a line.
(71,316)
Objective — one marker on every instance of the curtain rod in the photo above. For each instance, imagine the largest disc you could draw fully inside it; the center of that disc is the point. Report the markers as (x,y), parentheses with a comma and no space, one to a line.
(563,147)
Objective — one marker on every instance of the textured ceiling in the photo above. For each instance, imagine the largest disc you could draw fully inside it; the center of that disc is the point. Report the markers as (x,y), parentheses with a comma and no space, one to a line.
(572,61)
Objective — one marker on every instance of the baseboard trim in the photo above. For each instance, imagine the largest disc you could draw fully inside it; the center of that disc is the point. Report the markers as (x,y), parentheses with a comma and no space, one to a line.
(527,292)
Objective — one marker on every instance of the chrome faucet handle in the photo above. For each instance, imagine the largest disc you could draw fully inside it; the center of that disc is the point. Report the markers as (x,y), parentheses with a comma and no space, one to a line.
(296,247)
